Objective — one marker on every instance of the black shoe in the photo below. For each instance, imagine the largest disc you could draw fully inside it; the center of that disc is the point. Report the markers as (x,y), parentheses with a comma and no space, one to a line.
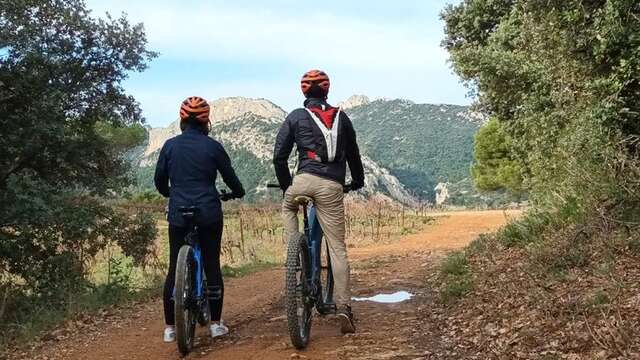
(347,325)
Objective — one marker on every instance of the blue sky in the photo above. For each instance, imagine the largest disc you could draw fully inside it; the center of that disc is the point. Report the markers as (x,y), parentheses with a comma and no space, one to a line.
(261,48)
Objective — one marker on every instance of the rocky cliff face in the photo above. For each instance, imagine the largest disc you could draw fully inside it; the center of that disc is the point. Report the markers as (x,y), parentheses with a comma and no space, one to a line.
(442,193)
(228,109)
(157,137)
(354,101)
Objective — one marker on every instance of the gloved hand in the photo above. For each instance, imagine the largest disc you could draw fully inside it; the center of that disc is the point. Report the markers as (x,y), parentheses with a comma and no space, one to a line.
(238,195)
(356,185)
(225,196)
(285,186)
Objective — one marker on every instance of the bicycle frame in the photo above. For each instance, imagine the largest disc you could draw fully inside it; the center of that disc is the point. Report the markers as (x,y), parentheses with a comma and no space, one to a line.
(202,294)
(314,235)
(193,240)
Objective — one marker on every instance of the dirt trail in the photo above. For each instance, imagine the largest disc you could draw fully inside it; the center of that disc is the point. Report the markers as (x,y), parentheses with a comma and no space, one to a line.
(254,310)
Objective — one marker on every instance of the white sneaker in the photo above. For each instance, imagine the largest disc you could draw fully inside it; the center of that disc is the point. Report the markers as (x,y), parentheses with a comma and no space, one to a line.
(169,334)
(218,330)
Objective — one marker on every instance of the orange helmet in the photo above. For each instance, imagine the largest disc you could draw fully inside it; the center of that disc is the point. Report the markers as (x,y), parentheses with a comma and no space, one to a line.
(315,77)
(195,106)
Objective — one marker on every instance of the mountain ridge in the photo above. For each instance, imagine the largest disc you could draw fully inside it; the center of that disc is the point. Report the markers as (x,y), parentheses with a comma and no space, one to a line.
(247,128)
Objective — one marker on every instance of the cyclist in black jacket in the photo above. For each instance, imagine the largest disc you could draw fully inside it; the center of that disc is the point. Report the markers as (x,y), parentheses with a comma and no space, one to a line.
(190,162)
(326,143)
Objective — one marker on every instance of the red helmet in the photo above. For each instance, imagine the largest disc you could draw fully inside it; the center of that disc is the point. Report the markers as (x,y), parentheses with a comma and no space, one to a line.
(315,77)
(195,106)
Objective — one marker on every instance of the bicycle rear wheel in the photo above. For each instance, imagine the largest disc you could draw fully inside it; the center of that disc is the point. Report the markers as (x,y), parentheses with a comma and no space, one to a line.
(298,303)
(184,299)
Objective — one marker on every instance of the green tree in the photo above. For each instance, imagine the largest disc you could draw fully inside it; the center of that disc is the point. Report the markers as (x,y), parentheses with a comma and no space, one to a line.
(65,127)
(494,168)
(563,77)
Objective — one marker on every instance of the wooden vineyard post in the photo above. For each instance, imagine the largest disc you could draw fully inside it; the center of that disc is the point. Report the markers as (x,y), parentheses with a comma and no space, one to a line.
(242,235)
(379,220)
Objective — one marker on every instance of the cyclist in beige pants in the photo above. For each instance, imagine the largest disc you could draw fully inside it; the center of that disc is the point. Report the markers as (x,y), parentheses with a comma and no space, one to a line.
(326,143)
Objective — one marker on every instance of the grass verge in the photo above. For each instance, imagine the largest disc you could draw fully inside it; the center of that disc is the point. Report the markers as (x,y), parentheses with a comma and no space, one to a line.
(247,269)
(456,277)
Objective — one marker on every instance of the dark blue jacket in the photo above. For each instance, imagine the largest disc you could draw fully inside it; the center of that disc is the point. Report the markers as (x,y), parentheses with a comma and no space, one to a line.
(190,162)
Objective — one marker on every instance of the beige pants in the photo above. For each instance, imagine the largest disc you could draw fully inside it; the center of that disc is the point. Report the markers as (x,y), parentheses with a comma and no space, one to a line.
(329,201)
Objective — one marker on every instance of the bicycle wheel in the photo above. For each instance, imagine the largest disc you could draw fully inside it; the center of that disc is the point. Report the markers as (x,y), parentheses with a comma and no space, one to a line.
(298,302)
(186,314)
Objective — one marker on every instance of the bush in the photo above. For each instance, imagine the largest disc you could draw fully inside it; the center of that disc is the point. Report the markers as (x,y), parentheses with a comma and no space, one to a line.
(66,125)
(561,85)
(455,264)
(456,277)
(527,230)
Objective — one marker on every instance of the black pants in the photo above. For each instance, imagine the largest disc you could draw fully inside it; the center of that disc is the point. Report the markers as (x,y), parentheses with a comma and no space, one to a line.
(210,238)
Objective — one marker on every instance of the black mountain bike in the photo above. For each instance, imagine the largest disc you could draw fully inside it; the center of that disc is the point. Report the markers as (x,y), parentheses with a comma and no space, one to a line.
(191,294)
(305,275)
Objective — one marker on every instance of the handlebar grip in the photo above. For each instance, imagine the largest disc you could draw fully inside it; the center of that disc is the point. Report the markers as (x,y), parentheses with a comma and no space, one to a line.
(225,196)
(273,186)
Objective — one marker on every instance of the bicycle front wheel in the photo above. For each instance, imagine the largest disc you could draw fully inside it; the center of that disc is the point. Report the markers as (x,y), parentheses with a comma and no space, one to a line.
(298,302)
(184,299)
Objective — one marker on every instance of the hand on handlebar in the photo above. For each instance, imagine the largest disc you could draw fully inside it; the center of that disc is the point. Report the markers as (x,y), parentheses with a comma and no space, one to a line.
(226,196)
(355,186)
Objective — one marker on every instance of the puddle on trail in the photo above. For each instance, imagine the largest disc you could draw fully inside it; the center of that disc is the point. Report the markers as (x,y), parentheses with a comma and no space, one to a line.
(394,298)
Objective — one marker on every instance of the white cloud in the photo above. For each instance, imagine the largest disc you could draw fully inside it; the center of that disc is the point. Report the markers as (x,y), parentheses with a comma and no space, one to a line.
(246,34)
(375,56)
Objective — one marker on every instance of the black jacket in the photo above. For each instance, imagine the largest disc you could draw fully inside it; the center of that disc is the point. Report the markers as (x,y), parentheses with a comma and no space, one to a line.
(300,129)
(191,161)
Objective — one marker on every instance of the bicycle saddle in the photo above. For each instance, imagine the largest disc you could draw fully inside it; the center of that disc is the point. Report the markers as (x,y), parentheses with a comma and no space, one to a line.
(302,200)
(188,212)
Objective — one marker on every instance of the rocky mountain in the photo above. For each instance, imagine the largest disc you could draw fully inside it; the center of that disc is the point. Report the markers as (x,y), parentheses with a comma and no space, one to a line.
(407,148)
(421,144)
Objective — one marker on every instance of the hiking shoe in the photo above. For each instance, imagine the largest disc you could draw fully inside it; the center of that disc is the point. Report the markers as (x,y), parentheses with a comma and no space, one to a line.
(218,330)
(345,316)
(169,334)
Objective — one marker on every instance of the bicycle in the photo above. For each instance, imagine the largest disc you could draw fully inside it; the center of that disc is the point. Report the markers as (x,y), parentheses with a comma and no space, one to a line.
(191,294)
(304,275)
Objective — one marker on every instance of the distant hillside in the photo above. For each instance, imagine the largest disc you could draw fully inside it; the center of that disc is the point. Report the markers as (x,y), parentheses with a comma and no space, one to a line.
(421,144)
(407,148)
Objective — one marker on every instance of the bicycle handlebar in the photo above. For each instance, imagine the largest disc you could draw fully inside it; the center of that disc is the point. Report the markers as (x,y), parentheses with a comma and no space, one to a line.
(226,196)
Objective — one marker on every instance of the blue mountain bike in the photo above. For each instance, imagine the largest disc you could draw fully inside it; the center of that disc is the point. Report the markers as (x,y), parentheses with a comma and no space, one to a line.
(308,282)
(191,294)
